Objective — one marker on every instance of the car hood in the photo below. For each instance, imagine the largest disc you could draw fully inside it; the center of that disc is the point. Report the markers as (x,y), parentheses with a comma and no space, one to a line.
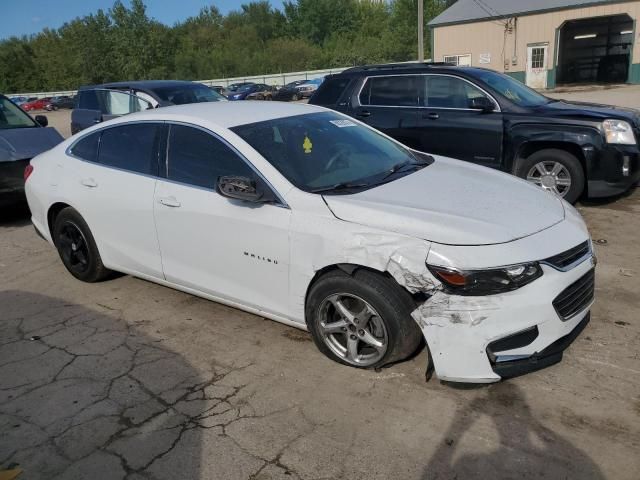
(455,203)
(591,110)
(24,143)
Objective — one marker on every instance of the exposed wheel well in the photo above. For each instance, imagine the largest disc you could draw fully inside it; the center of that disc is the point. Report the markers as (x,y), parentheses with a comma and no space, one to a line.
(52,214)
(350,269)
(529,148)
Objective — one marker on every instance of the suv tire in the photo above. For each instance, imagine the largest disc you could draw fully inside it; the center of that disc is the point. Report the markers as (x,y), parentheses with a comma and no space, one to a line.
(554,169)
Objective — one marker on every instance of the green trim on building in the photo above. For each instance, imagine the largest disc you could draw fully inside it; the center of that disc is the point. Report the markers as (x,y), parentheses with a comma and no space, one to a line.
(520,76)
(634,73)
(551,78)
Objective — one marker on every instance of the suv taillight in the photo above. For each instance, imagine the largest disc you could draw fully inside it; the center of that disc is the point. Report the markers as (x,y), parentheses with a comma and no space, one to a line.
(28,171)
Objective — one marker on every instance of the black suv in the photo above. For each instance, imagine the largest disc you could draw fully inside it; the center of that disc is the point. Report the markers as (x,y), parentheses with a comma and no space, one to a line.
(491,119)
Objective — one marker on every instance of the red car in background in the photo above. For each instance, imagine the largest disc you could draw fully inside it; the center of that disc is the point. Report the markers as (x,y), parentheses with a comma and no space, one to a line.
(38,104)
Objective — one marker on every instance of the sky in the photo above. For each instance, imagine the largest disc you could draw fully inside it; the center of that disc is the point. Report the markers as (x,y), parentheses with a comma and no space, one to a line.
(24,17)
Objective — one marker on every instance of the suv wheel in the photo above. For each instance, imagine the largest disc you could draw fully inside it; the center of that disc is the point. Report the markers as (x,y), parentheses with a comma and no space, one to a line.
(554,170)
(77,248)
(362,320)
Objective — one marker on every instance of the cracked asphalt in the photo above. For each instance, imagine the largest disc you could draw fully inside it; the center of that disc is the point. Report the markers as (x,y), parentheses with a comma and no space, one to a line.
(126,379)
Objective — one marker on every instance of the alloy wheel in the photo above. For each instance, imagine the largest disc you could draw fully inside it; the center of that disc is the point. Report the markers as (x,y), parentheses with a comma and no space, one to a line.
(552,176)
(352,329)
(73,247)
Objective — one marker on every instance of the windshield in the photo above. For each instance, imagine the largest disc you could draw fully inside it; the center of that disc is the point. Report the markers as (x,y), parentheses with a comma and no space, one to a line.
(11,116)
(328,152)
(183,94)
(515,91)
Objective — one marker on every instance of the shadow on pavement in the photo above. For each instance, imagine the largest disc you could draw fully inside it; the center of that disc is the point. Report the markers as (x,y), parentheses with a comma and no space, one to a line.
(84,395)
(527,449)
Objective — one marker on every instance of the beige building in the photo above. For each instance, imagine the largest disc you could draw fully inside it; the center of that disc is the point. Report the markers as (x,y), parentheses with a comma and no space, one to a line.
(543,43)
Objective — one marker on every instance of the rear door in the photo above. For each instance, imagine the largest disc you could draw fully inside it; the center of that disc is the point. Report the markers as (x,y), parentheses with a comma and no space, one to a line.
(449,127)
(390,103)
(113,181)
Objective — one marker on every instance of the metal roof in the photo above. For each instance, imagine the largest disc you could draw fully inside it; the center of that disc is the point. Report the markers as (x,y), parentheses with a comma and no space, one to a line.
(464,11)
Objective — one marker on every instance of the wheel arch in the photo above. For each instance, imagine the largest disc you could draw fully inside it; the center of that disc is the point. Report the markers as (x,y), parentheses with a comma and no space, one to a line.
(528,148)
(52,213)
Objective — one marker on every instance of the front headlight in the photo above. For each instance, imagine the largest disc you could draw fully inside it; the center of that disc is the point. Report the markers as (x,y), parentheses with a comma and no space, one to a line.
(618,132)
(487,282)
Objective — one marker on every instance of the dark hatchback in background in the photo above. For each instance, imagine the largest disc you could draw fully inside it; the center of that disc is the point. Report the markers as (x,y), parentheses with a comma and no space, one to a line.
(56,103)
(21,139)
(289,92)
(97,103)
(491,119)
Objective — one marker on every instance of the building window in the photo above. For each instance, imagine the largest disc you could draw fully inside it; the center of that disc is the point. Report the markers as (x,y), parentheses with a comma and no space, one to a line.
(461,60)
(537,57)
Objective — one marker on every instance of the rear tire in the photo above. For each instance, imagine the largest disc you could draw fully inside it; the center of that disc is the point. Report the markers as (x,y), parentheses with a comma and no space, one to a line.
(77,247)
(555,170)
(362,320)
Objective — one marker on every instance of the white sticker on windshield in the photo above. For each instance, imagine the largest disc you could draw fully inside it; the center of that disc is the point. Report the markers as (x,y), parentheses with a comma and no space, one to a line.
(343,123)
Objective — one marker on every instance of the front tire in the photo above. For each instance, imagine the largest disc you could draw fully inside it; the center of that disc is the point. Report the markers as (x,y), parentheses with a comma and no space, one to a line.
(554,170)
(362,320)
(77,247)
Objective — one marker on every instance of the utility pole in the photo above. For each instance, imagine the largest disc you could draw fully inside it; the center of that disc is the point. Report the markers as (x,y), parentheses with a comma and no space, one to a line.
(421,30)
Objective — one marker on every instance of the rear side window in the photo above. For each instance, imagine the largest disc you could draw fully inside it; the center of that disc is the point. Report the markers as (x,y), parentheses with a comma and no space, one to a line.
(400,91)
(330,91)
(88,99)
(131,147)
(198,158)
(87,147)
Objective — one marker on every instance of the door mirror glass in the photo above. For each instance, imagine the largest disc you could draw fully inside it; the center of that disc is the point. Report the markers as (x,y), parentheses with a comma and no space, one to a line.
(42,120)
(482,103)
(239,188)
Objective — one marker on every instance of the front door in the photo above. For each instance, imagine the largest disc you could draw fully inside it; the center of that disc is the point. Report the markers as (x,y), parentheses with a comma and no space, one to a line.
(450,127)
(537,66)
(231,249)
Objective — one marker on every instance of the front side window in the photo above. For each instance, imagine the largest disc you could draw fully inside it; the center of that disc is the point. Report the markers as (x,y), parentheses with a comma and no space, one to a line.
(398,91)
(198,158)
(442,91)
(87,147)
(327,151)
(11,116)
(131,147)
(514,90)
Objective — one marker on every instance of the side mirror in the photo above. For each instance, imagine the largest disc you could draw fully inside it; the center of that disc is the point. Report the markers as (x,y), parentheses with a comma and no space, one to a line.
(482,103)
(42,120)
(239,188)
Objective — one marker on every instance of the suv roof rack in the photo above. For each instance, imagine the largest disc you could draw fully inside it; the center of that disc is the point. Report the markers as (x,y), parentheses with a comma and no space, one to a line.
(399,66)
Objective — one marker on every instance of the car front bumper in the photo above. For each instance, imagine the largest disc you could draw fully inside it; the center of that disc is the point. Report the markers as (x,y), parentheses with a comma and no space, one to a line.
(462,332)
(615,171)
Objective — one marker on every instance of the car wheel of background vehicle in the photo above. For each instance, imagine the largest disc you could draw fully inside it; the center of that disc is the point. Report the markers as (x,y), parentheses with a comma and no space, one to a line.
(362,320)
(554,170)
(77,248)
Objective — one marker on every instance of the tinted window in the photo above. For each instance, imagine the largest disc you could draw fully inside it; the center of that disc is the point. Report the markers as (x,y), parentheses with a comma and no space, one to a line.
(319,150)
(87,147)
(198,158)
(449,92)
(130,147)
(393,91)
(331,90)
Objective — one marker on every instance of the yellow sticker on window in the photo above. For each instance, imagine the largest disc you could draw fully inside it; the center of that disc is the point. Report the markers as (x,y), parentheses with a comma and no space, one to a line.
(307,145)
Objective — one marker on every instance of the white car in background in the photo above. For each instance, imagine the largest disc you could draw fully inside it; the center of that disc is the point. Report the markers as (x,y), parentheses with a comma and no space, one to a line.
(305,90)
(310,218)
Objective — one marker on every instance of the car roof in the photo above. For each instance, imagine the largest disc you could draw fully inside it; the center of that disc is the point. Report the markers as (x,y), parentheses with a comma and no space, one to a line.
(408,68)
(142,84)
(223,114)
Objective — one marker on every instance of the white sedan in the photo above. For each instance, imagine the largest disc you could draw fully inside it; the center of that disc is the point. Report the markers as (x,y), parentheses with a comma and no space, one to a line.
(310,218)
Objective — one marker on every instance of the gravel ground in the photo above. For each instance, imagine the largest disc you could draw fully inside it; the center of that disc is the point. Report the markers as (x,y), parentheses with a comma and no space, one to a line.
(128,379)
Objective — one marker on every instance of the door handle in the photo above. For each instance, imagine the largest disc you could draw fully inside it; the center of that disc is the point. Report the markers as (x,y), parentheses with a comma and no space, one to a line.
(431,116)
(363,113)
(169,202)
(89,182)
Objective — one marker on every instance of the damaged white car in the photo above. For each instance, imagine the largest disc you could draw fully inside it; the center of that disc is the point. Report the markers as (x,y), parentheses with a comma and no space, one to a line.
(307,217)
